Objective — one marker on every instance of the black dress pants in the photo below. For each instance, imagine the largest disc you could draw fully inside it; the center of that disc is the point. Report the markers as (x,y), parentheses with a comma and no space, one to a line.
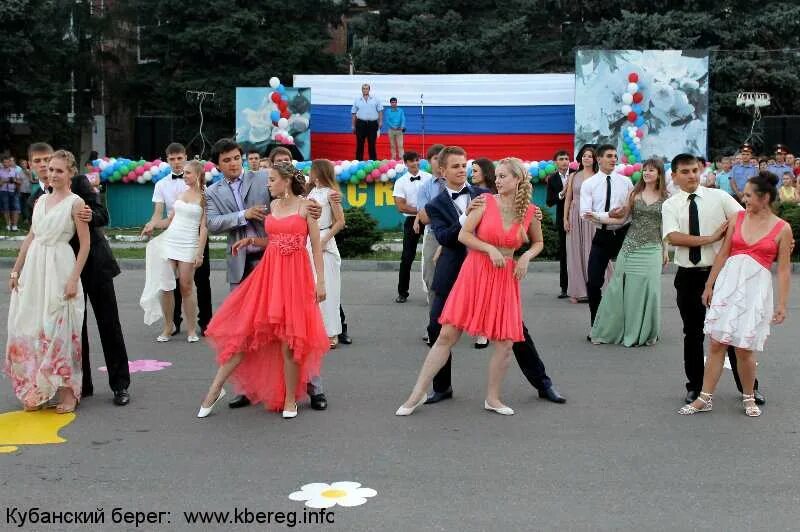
(562,259)
(410,241)
(104,304)
(689,286)
(525,352)
(605,248)
(366,130)
(202,281)
(344,320)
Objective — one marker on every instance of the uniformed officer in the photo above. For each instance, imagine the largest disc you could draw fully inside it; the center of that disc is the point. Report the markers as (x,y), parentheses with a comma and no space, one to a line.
(743,171)
(780,166)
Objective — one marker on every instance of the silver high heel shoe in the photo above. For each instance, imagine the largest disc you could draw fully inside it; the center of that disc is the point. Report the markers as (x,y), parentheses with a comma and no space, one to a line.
(704,398)
(407,411)
(503,410)
(204,412)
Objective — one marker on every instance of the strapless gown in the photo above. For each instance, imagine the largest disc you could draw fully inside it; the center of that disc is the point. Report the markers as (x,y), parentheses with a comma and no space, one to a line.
(183,234)
(275,304)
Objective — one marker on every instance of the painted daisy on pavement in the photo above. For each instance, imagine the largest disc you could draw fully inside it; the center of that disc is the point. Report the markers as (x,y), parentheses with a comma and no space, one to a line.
(321,495)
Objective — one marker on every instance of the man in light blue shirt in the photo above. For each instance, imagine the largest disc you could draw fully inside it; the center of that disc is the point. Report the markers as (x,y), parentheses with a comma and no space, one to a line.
(741,172)
(396,122)
(367,113)
(780,167)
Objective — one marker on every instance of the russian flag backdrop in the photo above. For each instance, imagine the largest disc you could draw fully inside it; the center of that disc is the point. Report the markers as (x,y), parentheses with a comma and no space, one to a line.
(530,116)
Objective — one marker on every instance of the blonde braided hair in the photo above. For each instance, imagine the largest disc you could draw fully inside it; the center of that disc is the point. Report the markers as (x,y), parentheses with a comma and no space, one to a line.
(522,198)
(197,169)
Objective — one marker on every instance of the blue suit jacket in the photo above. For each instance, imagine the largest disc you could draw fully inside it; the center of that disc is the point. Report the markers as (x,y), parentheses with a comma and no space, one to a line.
(445,225)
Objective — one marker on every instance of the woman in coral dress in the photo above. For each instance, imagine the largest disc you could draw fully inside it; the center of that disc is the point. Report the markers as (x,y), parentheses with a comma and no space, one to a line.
(485,299)
(43,352)
(738,292)
(269,334)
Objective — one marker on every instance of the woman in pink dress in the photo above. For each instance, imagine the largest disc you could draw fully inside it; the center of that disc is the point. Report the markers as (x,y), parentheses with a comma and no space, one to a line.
(485,299)
(269,334)
(738,292)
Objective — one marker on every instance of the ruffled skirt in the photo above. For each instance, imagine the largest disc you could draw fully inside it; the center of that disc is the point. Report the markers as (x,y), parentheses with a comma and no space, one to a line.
(741,307)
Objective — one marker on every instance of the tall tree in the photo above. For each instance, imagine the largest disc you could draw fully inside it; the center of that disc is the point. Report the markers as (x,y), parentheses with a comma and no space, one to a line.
(217,48)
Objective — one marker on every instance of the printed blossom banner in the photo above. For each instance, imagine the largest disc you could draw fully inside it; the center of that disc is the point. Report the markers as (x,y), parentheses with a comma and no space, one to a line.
(651,103)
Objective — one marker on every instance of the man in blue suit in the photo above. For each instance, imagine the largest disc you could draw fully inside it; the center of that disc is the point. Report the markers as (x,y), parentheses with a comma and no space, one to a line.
(447,213)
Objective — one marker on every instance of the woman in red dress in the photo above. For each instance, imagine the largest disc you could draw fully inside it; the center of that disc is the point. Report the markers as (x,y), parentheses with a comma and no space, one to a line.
(269,334)
(485,299)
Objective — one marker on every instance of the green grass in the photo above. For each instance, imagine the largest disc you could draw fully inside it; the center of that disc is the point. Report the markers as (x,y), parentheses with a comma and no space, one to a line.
(138,253)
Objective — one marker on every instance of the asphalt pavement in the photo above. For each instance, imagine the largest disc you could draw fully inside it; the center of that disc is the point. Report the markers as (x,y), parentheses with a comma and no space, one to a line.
(617,456)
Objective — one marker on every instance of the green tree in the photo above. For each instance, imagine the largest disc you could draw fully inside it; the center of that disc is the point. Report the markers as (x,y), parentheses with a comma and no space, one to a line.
(217,48)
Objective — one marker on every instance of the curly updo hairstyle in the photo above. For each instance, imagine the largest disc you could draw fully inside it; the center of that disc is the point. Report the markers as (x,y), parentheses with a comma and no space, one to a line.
(296,178)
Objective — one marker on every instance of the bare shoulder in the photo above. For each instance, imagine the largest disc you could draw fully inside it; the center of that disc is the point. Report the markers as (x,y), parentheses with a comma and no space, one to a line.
(77,203)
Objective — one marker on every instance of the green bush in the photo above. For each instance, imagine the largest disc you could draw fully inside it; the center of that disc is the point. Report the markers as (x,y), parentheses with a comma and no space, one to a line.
(791,213)
(359,234)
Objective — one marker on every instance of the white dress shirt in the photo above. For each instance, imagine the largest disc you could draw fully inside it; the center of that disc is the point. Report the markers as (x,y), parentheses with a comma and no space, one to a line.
(593,195)
(368,109)
(461,202)
(167,190)
(409,190)
(714,206)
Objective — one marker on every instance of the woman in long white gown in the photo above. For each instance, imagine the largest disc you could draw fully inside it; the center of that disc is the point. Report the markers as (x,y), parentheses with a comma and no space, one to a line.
(321,183)
(43,351)
(177,251)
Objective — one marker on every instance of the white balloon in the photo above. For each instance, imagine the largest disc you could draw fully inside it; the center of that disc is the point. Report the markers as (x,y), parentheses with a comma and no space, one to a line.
(290,139)
(147,175)
(345,165)
(354,161)
(163,166)
(274,82)
(384,178)
(399,167)
(633,87)
(627,98)
(337,169)
(208,176)
(626,109)
(141,180)
(283,123)
(391,173)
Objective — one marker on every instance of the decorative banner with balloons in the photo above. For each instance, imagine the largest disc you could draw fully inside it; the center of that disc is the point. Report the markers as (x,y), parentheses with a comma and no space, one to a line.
(647,103)
(274,116)
(122,170)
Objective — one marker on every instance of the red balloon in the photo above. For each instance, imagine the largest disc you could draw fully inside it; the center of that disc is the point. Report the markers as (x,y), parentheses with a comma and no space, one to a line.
(632,117)
(638,97)
(275,97)
(285,114)
(633,77)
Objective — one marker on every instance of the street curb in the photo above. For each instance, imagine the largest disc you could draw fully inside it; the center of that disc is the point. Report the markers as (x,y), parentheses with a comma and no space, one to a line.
(353,265)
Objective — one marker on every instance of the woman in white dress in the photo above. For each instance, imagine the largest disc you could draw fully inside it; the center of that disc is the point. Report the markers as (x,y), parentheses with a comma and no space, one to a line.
(321,184)
(738,292)
(43,351)
(177,251)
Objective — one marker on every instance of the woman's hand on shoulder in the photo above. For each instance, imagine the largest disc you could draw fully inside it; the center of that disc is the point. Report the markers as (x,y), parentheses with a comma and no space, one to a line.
(311,208)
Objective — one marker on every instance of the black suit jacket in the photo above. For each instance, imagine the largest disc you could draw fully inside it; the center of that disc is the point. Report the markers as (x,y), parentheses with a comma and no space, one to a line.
(101,264)
(445,225)
(554,187)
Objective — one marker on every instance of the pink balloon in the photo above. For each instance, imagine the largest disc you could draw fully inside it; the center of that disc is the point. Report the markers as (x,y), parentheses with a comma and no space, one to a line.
(637,167)
(640,133)
(369,178)
(375,173)
(625,159)
(628,171)
(139,170)
(573,165)
(157,162)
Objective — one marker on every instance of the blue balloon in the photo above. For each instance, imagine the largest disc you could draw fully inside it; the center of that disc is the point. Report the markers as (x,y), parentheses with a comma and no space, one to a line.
(281,89)
(640,121)
(275,116)
(637,108)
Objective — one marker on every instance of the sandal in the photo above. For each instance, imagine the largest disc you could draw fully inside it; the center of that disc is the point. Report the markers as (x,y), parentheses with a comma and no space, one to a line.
(704,398)
(752,410)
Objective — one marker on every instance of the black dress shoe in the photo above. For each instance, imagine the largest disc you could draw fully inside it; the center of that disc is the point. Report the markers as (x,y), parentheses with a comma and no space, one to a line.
(86,392)
(435,397)
(552,395)
(122,397)
(239,401)
(691,396)
(319,401)
(481,346)
(344,339)
(563,295)
(401,299)
(760,399)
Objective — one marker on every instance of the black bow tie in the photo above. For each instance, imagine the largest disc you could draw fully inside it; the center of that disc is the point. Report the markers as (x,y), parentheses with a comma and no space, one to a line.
(415,178)
(455,195)
(176,176)
(49,189)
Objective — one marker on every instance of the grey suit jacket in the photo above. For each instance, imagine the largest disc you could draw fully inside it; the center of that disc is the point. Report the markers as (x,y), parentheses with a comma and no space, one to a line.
(223,215)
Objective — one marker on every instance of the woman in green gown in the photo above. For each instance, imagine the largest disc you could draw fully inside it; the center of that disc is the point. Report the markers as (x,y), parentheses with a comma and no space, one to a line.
(630,312)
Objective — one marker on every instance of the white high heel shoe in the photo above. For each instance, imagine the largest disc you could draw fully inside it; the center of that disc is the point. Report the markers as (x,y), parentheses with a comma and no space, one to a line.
(289,414)
(204,412)
(503,410)
(407,411)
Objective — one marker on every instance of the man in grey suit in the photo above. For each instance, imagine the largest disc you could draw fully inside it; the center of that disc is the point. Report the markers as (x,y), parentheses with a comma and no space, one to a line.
(237,205)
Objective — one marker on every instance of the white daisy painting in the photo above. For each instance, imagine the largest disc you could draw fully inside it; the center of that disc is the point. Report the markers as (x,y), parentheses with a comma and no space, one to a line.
(322,495)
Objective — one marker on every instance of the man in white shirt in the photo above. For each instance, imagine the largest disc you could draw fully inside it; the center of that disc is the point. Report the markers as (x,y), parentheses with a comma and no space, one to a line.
(367,115)
(600,194)
(165,192)
(406,190)
(694,220)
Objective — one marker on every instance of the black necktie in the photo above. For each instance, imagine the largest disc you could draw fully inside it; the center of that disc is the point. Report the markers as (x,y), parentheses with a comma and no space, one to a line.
(455,195)
(608,197)
(415,178)
(694,228)
(176,176)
